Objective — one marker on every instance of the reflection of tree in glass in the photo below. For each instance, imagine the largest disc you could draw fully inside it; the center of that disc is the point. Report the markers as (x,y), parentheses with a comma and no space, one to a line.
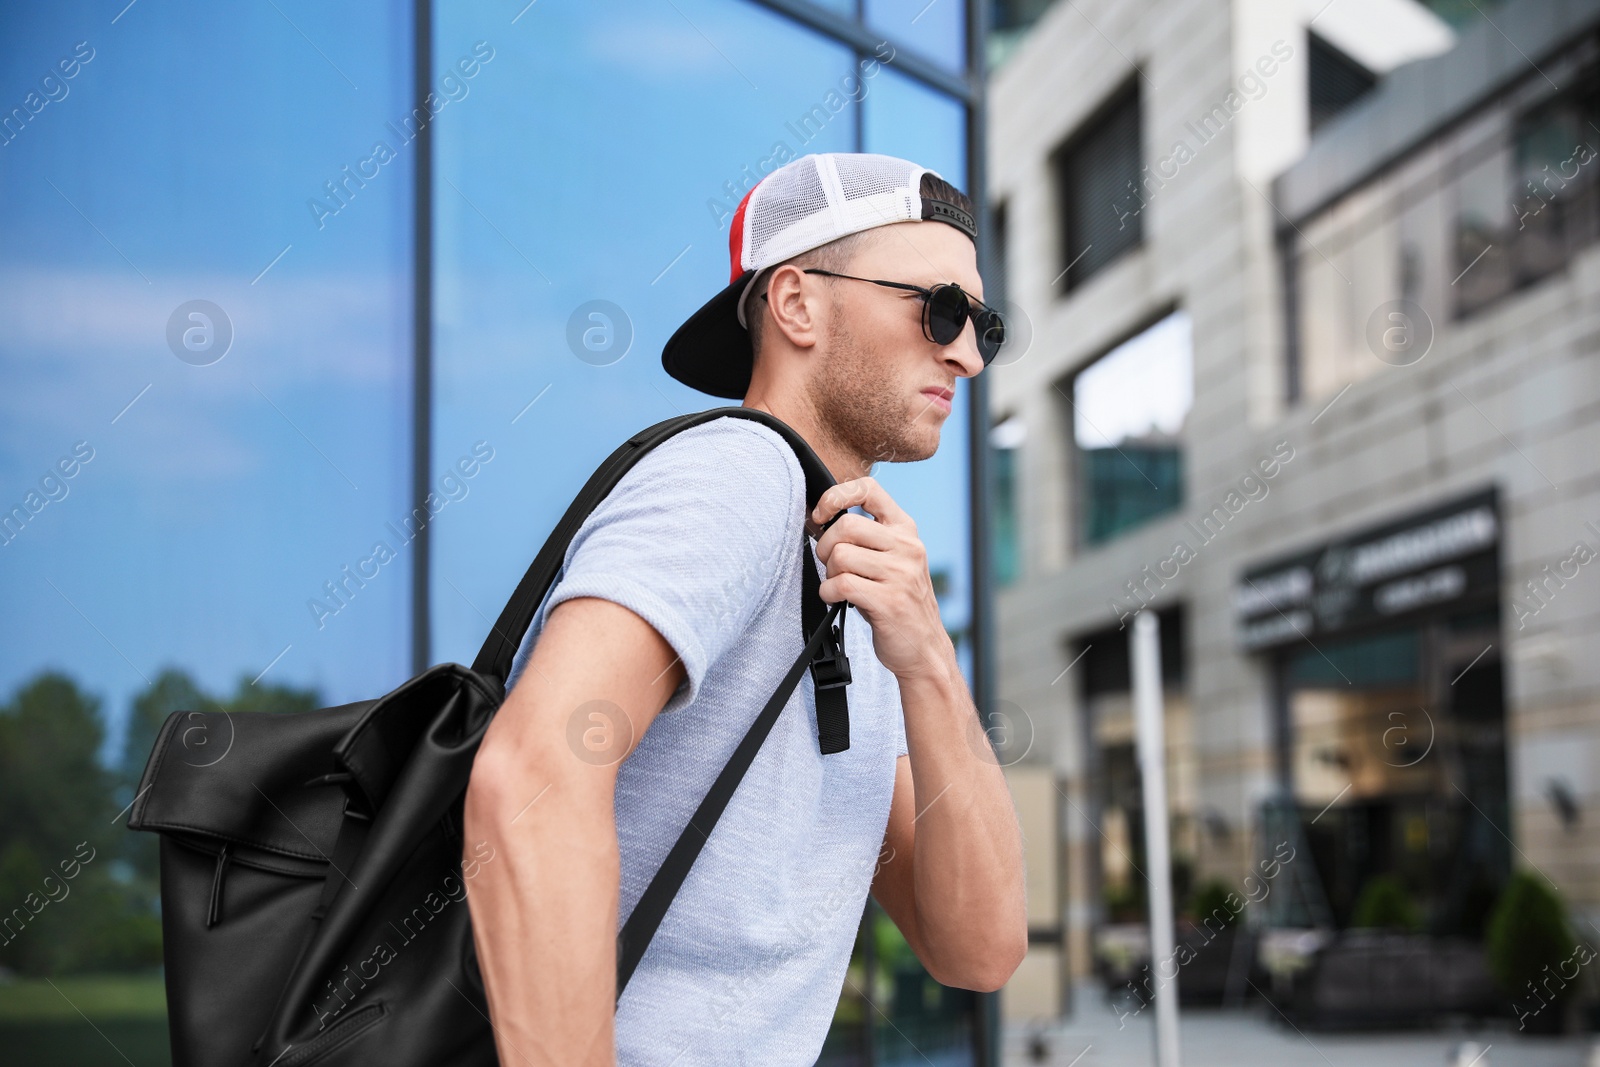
(59,804)
(54,797)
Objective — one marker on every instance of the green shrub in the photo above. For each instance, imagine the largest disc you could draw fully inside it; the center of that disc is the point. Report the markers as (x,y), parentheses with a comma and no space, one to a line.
(1528,939)
(1211,905)
(1385,904)
(1126,903)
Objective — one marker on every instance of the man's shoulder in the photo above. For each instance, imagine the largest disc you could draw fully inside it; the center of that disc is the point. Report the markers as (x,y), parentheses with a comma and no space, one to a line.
(730,437)
(727,485)
(738,455)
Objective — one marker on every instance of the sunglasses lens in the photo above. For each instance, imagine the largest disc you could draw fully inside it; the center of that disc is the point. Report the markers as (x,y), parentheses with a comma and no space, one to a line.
(991,330)
(947,313)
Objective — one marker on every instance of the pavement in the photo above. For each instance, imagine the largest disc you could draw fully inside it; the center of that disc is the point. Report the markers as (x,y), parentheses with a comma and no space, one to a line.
(1094,1036)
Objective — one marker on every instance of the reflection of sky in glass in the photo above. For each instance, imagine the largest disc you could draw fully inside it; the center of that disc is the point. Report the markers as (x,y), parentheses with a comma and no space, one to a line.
(586,160)
(593,166)
(1144,386)
(933,28)
(905,118)
(178,166)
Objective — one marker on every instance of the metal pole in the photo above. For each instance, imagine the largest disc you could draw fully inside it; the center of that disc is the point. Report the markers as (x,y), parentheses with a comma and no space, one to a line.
(422,342)
(1148,714)
(987,1025)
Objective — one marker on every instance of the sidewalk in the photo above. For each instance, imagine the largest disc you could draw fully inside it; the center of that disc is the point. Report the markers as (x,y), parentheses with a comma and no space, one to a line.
(1243,1038)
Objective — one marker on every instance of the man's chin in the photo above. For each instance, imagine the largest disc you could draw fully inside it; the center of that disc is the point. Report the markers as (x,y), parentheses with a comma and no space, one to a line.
(920,442)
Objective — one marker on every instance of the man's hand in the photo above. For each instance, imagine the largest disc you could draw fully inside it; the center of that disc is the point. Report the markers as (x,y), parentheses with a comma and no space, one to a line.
(880,566)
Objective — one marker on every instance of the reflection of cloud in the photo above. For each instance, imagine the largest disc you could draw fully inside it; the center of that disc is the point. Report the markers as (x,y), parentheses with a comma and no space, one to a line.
(333,352)
(203,446)
(52,315)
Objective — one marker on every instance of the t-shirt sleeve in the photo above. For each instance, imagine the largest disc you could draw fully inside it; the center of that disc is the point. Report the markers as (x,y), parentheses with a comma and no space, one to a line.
(692,539)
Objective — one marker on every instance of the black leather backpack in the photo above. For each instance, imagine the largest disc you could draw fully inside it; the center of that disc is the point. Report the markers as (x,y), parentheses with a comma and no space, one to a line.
(322,835)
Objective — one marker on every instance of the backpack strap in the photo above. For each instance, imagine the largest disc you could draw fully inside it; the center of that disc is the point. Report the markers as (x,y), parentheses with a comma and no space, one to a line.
(830,669)
(652,906)
(500,647)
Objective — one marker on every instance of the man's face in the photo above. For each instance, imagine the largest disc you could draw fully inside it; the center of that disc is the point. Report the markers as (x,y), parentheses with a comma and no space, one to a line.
(882,387)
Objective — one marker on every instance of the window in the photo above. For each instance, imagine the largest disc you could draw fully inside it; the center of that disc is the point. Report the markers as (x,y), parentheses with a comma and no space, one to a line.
(937,31)
(1129,408)
(206,423)
(1546,173)
(1460,14)
(1336,80)
(1005,441)
(1010,22)
(512,274)
(1097,178)
(1360,728)
(1000,249)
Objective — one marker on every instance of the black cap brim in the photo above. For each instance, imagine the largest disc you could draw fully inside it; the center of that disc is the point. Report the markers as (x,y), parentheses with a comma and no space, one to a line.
(711,352)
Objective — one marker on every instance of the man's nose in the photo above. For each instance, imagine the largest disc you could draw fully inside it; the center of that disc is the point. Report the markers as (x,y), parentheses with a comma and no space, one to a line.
(961,355)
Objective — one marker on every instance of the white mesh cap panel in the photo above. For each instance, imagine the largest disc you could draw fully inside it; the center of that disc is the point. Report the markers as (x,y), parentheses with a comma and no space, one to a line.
(821,198)
(789,207)
(881,178)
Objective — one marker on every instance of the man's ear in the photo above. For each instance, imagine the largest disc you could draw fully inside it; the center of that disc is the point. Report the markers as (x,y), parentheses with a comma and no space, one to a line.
(794,306)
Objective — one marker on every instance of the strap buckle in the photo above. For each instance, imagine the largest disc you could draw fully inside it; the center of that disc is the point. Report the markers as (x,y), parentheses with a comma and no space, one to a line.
(831,668)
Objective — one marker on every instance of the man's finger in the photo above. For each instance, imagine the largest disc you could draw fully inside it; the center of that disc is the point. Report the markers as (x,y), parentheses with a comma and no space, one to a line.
(868,494)
(863,595)
(864,532)
(877,566)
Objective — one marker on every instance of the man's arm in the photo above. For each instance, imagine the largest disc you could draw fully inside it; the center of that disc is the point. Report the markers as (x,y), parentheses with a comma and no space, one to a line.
(952,879)
(952,876)
(544,914)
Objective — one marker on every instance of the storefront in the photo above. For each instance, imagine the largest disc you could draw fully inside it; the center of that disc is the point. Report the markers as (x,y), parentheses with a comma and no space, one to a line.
(1384,650)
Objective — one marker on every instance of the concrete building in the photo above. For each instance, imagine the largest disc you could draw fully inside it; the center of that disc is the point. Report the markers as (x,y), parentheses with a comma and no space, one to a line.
(1306,302)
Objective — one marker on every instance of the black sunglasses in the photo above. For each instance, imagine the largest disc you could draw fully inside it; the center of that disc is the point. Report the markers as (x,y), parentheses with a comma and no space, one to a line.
(945,310)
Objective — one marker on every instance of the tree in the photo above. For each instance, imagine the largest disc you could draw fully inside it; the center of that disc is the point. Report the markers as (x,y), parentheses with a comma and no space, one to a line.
(278,699)
(66,910)
(59,812)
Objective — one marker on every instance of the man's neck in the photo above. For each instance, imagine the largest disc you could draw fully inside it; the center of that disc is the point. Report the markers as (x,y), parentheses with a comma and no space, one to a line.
(802,418)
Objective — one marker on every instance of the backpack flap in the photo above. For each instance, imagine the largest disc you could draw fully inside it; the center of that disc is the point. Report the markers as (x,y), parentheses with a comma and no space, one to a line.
(215,777)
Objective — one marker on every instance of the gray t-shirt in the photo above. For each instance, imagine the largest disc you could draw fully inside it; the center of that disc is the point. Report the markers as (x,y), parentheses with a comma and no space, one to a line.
(702,540)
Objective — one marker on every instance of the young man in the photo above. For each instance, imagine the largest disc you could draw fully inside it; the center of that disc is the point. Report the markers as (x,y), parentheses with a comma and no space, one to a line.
(676,613)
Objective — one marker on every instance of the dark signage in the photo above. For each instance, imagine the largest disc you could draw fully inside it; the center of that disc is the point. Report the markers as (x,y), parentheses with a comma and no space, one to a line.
(1445,555)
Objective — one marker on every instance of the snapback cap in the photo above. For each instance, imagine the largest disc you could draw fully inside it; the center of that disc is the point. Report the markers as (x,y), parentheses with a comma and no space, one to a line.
(802,205)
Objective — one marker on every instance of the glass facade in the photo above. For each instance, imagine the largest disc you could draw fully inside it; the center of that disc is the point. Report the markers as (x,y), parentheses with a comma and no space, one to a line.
(204,291)
(211,424)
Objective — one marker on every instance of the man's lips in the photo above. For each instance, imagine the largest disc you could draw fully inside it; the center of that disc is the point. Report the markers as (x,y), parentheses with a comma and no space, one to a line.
(940,396)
